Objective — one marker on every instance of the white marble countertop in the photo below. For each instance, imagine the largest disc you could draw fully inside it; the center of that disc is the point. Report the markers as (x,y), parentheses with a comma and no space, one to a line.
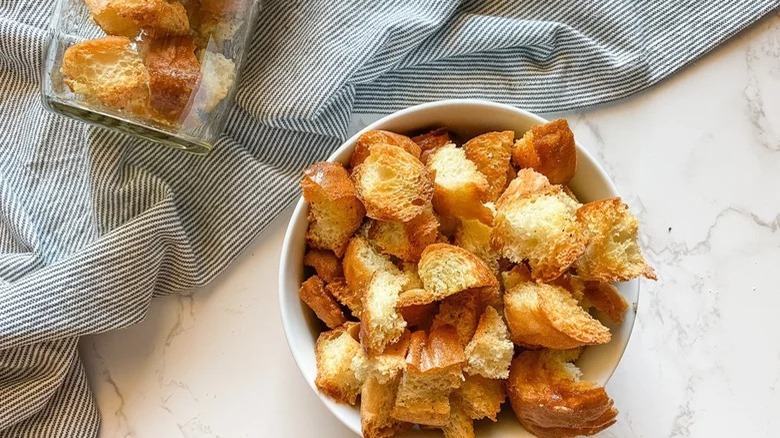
(697,157)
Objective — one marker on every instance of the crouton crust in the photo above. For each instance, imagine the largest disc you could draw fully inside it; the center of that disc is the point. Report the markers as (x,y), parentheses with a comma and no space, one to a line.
(369,138)
(405,240)
(460,190)
(430,141)
(174,72)
(333,352)
(492,153)
(447,269)
(606,298)
(326,308)
(548,149)
(128,18)
(325,263)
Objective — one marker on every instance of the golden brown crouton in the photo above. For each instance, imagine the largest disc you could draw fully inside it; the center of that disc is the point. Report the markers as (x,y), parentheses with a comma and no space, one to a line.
(551,401)
(174,72)
(434,367)
(393,184)
(548,149)
(606,298)
(480,397)
(334,351)
(547,316)
(361,261)
(459,424)
(405,240)
(376,403)
(339,290)
(369,138)
(460,190)
(541,228)
(474,236)
(613,252)
(490,351)
(419,315)
(384,366)
(492,152)
(109,70)
(129,17)
(380,323)
(315,296)
(526,183)
(325,262)
(461,311)
(447,269)
(335,212)
(431,141)
(518,274)
(411,277)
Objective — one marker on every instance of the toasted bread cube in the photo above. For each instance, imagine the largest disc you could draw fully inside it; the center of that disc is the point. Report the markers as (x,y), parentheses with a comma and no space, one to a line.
(386,365)
(335,212)
(490,351)
(376,403)
(174,72)
(447,269)
(339,290)
(613,252)
(547,316)
(109,70)
(411,276)
(492,153)
(380,323)
(393,184)
(334,351)
(474,237)
(128,18)
(326,308)
(459,424)
(218,74)
(526,183)
(551,401)
(606,298)
(405,240)
(549,149)
(461,311)
(460,190)
(434,367)
(518,274)
(430,141)
(541,228)
(480,397)
(369,138)
(325,263)
(361,261)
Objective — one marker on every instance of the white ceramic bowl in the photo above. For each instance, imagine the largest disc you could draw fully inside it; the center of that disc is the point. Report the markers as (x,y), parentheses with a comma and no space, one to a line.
(465,118)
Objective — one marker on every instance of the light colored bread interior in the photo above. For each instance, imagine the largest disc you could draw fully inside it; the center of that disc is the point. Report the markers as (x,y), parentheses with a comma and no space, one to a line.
(334,351)
(174,73)
(474,236)
(218,74)
(491,153)
(157,18)
(460,190)
(461,311)
(447,269)
(376,136)
(490,351)
(380,323)
(325,263)
(405,240)
(432,140)
(376,403)
(361,261)
(480,397)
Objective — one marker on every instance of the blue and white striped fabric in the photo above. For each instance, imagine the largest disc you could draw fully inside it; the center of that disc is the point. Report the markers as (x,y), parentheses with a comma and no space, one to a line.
(94,224)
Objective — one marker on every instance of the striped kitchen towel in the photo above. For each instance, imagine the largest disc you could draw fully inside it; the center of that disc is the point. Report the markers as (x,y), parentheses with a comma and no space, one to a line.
(94,224)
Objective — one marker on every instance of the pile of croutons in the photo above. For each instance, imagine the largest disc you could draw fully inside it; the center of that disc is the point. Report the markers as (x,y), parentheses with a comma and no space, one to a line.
(157,61)
(450,276)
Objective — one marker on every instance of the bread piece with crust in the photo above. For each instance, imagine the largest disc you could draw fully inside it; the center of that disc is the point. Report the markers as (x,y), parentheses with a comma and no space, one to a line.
(376,403)
(419,315)
(393,184)
(361,261)
(490,351)
(430,141)
(376,136)
(613,253)
(474,237)
(518,274)
(128,18)
(461,311)
(551,401)
(434,367)
(460,190)
(547,316)
(335,211)
(525,183)
(326,308)
(110,71)
(480,397)
(492,153)
(541,228)
(447,269)
(339,290)
(548,149)
(606,298)
(174,72)
(459,424)
(386,365)
(325,263)
(334,351)
(405,240)
(380,323)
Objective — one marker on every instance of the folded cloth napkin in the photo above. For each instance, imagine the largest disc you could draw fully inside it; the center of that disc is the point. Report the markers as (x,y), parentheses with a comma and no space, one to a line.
(94,224)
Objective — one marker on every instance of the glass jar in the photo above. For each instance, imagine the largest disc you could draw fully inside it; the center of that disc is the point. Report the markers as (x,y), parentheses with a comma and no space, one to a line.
(163,70)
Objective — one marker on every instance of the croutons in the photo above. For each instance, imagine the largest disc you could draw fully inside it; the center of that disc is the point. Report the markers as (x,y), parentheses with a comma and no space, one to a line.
(361,261)
(334,351)
(326,308)
(480,397)
(109,70)
(377,136)
(461,311)
(335,212)
(547,316)
(490,351)
(419,315)
(339,290)
(405,240)
(325,263)
(434,367)
(393,184)
(474,236)
(430,141)
(174,71)
(447,269)
(380,323)
(376,403)
(525,183)
(606,298)
(613,252)
(549,149)
(384,366)
(128,18)
(459,424)
(460,190)
(551,401)
(492,152)
(541,228)
(218,74)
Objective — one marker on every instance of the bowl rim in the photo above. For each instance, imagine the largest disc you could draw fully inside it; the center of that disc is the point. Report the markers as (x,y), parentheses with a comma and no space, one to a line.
(302,205)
